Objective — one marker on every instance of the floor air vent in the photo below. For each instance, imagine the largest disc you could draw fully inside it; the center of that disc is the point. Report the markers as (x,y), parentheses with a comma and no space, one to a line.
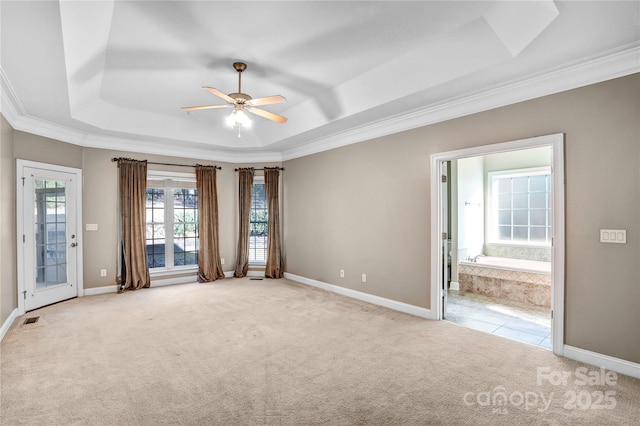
(255,279)
(31,320)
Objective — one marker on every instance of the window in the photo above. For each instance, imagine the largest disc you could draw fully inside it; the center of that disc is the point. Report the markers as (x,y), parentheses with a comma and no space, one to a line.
(172,224)
(258,222)
(521,206)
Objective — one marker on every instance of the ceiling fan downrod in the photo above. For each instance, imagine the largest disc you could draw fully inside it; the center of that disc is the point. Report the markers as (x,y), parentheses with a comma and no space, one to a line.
(239,66)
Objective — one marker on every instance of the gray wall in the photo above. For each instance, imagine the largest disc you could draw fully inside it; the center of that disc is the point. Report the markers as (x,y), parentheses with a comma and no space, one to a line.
(365,208)
(8,288)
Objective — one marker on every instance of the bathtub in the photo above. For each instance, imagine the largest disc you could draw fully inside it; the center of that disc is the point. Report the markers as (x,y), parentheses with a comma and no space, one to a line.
(525,281)
(522,265)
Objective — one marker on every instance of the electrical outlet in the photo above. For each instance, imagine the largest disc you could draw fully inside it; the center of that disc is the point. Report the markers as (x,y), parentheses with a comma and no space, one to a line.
(103,272)
(341,273)
(222,261)
(364,278)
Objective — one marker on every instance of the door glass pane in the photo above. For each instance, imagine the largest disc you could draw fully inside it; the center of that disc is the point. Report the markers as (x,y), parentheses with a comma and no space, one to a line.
(50,233)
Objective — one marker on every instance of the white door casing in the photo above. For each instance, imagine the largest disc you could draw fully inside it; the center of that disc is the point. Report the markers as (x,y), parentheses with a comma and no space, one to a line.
(438,224)
(49,234)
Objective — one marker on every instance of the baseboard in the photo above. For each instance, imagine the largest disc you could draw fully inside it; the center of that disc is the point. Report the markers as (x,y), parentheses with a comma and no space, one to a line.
(229,274)
(94,291)
(176,280)
(365,297)
(8,323)
(454,285)
(618,365)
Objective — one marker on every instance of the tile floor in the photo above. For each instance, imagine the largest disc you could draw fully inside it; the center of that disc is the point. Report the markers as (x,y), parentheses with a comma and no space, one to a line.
(526,323)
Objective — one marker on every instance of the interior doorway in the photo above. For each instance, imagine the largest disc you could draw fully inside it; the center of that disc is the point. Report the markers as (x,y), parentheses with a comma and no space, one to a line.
(500,234)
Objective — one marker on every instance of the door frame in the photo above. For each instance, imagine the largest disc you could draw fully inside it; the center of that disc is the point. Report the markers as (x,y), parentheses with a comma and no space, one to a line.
(556,142)
(20,213)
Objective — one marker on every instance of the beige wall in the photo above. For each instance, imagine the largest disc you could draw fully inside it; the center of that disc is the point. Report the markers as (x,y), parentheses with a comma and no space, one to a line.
(8,289)
(100,206)
(365,208)
(100,203)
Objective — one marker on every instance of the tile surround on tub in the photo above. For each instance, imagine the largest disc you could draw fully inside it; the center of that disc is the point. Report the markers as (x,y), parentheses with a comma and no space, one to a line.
(526,287)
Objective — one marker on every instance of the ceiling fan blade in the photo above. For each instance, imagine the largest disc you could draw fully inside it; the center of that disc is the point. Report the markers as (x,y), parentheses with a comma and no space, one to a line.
(219,94)
(276,99)
(268,115)
(197,108)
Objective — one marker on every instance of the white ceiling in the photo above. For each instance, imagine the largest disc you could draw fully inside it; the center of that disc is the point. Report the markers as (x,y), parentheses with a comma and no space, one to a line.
(114,74)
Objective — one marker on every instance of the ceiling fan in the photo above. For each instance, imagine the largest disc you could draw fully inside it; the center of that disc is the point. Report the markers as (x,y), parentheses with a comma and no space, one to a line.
(242,102)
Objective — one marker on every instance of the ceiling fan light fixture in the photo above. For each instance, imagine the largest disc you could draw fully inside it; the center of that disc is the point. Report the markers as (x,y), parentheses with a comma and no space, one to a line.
(238,118)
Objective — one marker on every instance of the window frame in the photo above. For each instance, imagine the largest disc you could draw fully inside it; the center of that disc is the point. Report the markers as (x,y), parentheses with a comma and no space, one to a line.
(253,262)
(172,181)
(492,210)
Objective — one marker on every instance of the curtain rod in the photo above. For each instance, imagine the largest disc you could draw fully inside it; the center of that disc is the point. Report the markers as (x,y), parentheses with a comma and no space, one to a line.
(279,168)
(168,164)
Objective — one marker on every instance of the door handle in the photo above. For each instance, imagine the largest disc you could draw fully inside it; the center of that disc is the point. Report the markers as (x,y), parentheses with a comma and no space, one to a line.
(73,244)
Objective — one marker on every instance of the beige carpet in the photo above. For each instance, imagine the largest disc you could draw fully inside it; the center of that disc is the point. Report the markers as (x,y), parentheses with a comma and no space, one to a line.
(242,352)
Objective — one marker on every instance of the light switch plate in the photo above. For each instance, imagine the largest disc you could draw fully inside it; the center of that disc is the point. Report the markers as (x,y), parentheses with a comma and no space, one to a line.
(616,236)
(91,227)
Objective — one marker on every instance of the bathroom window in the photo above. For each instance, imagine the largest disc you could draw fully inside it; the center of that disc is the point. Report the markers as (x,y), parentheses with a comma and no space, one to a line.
(521,206)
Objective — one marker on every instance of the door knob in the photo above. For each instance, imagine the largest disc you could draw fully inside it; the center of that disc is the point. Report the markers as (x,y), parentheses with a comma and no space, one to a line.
(73,244)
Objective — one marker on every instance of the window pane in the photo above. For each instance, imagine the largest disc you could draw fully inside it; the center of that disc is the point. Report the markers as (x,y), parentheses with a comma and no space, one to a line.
(504,217)
(504,185)
(538,234)
(520,201)
(524,202)
(538,217)
(182,218)
(258,222)
(521,217)
(520,233)
(538,200)
(520,184)
(504,201)
(504,232)
(538,183)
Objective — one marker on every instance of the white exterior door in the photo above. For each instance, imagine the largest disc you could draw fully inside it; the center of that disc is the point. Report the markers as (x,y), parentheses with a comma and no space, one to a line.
(48,234)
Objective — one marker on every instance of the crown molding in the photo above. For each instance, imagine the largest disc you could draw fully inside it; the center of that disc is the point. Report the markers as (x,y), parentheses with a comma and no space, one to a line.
(613,64)
(609,65)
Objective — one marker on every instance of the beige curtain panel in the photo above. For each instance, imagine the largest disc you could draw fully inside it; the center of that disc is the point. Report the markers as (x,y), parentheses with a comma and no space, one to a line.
(274,268)
(209,265)
(245,184)
(133,199)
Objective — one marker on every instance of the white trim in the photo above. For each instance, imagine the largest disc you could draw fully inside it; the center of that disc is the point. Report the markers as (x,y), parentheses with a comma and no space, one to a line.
(94,291)
(618,365)
(615,63)
(365,297)
(154,283)
(6,325)
(618,62)
(454,285)
(556,142)
(255,274)
(20,165)
(229,274)
(161,272)
(192,279)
